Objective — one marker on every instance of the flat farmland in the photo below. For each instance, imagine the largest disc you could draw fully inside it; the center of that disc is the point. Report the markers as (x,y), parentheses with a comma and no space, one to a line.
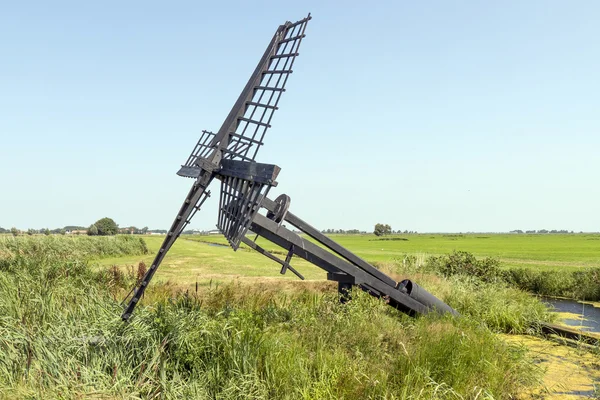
(201,259)
(550,251)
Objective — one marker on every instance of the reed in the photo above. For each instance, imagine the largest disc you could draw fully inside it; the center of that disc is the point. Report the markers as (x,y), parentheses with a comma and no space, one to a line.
(61,337)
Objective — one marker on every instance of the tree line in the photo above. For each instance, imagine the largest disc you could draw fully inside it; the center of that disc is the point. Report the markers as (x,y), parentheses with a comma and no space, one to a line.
(103,227)
(561,231)
(378,230)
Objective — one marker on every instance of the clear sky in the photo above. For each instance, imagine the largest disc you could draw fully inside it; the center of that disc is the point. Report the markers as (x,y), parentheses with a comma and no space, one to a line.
(429,116)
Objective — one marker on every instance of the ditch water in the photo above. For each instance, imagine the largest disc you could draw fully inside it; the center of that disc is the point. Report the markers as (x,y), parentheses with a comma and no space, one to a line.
(216,244)
(583,316)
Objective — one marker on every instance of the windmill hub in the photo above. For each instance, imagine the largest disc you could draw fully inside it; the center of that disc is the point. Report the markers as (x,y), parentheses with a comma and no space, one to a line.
(229,156)
(282,205)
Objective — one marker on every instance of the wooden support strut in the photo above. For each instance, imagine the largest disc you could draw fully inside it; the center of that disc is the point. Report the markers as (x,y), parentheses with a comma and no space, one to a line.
(288,258)
(194,197)
(322,258)
(330,244)
(285,264)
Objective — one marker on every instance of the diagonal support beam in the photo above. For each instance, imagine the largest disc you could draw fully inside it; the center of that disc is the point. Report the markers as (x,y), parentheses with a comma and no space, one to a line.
(309,251)
(193,201)
(285,264)
(330,244)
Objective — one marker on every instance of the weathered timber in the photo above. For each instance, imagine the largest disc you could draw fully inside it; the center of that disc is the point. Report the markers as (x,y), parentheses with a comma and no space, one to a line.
(229,156)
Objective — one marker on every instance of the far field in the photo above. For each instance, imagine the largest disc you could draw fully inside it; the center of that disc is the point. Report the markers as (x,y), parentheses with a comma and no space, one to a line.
(197,258)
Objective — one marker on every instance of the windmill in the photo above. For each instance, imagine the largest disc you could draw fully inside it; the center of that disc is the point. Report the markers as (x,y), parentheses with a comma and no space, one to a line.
(229,156)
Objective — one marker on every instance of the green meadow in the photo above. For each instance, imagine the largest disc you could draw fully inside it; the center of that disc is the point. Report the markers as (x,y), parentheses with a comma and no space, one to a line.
(61,335)
(199,258)
(548,252)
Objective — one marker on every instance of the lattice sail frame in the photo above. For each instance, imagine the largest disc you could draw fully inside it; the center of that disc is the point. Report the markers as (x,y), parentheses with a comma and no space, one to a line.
(239,202)
(202,149)
(242,139)
(251,128)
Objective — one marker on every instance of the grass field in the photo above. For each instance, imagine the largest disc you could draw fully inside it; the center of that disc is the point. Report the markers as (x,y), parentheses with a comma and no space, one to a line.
(61,335)
(190,261)
(260,336)
(535,251)
(197,258)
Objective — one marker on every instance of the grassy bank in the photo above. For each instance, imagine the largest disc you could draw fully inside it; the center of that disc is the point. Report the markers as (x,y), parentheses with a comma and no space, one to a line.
(194,259)
(543,252)
(582,284)
(78,247)
(61,336)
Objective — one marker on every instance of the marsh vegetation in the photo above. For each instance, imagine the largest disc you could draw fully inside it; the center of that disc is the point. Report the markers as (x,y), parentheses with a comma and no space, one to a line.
(61,335)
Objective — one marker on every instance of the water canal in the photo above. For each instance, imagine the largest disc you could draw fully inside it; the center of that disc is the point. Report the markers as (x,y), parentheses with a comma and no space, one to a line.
(584,316)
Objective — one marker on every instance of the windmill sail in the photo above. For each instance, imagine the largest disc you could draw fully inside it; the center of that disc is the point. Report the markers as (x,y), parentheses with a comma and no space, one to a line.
(229,156)
(244,129)
(239,138)
(246,135)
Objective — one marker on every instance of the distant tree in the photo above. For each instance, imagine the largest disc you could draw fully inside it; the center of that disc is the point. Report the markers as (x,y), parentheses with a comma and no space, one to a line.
(106,226)
(62,232)
(74,228)
(2,230)
(144,230)
(92,230)
(30,231)
(45,231)
(382,229)
(14,231)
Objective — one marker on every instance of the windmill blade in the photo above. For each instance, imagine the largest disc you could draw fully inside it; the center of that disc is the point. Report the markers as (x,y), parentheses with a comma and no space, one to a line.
(244,129)
(203,149)
(248,132)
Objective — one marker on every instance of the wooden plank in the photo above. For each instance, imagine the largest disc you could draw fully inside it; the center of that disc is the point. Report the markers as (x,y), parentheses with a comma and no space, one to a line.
(330,244)
(570,333)
(250,171)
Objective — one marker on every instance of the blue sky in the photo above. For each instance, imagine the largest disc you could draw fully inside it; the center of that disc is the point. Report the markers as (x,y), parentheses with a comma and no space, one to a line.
(430,116)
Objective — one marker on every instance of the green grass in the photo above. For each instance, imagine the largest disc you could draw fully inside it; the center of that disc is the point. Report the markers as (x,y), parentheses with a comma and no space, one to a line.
(247,330)
(191,259)
(76,247)
(196,260)
(61,337)
(544,252)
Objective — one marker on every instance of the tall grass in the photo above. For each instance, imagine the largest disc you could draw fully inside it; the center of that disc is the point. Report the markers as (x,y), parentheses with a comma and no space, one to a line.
(496,305)
(68,247)
(583,284)
(61,337)
(580,285)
